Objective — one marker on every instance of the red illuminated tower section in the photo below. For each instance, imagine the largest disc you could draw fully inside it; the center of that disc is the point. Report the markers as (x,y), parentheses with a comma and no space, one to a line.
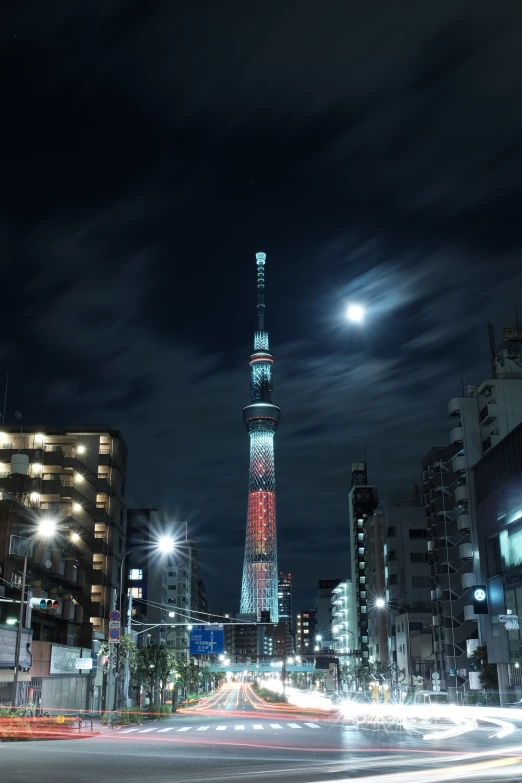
(260,579)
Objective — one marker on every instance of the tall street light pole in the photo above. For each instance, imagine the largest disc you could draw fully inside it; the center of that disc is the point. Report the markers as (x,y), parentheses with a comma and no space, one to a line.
(164,545)
(45,528)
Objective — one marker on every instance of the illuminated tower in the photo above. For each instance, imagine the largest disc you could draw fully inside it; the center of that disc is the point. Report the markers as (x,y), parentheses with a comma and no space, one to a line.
(261,416)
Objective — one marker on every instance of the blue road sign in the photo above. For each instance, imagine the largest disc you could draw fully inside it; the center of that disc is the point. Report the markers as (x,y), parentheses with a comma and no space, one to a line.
(207,640)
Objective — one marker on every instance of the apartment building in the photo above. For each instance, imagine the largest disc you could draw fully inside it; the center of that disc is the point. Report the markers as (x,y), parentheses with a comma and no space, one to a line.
(398,561)
(74,477)
(484,415)
(324,612)
(284,596)
(344,614)
(362,501)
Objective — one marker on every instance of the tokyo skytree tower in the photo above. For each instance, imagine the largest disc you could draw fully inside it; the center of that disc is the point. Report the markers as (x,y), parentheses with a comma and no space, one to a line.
(261,417)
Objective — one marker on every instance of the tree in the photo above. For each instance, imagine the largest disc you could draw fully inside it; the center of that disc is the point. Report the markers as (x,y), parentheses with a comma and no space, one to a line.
(487,671)
(153,667)
(187,673)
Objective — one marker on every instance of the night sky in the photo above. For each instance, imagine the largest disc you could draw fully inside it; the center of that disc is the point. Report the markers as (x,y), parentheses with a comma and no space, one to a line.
(150,149)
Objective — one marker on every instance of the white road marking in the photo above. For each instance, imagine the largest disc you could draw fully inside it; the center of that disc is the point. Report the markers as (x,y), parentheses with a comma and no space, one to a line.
(313,725)
(146,731)
(128,731)
(202,728)
(239,728)
(185,728)
(257,726)
(276,725)
(171,728)
(220,728)
(294,726)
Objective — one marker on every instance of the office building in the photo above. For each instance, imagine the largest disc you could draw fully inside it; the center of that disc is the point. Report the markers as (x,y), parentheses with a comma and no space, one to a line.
(284,595)
(398,562)
(498,515)
(484,415)
(306,631)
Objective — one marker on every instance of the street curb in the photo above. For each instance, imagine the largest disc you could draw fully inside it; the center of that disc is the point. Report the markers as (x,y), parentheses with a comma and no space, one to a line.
(52,739)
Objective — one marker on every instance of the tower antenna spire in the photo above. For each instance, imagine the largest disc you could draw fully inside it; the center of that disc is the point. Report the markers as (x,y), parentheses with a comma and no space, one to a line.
(261,258)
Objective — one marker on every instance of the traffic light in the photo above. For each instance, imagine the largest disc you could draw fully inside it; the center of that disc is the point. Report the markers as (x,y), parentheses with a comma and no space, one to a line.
(45,603)
(480,599)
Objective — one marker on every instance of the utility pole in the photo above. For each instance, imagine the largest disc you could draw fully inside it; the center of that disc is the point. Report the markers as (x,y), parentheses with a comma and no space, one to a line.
(19,629)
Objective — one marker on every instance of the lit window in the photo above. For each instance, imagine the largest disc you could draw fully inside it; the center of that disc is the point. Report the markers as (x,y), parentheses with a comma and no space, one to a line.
(135,574)
(137,592)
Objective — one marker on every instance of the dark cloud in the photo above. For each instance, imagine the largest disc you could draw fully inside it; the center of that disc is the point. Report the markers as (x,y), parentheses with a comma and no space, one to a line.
(372,151)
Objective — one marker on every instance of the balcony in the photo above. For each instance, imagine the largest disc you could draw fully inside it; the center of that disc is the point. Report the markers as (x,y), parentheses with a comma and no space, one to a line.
(436,594)
(466,551)
(459,464)
(464,523)
(467,580)
(454,406)
(489,413)
(96,608)
(469,613)
(457,435)
(99,546)
(461,493)
(98,575)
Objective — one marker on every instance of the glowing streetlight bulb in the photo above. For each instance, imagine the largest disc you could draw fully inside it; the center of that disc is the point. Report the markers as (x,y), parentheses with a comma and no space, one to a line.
(380,603)
(75,538)
(355,313)
(77,507)
(81,449)
(47,527)
(165,544)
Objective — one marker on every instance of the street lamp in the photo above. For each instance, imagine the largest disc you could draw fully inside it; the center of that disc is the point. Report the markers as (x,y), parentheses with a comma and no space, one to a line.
(45,528)
(165,545)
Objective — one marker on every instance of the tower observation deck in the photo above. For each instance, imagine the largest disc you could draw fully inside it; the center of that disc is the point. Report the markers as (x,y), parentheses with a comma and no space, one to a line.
(260,578)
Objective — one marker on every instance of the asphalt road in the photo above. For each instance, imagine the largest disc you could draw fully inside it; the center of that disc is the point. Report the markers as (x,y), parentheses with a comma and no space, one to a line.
(235,737)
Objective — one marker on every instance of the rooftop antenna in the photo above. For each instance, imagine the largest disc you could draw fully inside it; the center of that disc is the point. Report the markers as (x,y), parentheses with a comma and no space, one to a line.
(5,396)
(261,258)
(18,417)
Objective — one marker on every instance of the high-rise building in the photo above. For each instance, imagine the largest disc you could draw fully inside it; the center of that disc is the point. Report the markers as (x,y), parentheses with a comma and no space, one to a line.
(284,595)
(362,503)
(484,414)
(260,585)
(397,571)
(323,610)
(76,477)
(306,631)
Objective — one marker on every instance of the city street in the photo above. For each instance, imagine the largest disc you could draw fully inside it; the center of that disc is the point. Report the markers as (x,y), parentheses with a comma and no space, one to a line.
(236,736)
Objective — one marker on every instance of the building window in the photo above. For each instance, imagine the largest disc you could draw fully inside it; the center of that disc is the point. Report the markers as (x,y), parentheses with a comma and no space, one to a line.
(137,592)
(392,555)
(135,574)
(418,557)
(418,533)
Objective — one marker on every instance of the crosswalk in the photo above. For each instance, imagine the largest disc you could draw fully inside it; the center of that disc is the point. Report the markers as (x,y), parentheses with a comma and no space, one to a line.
(219,727)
